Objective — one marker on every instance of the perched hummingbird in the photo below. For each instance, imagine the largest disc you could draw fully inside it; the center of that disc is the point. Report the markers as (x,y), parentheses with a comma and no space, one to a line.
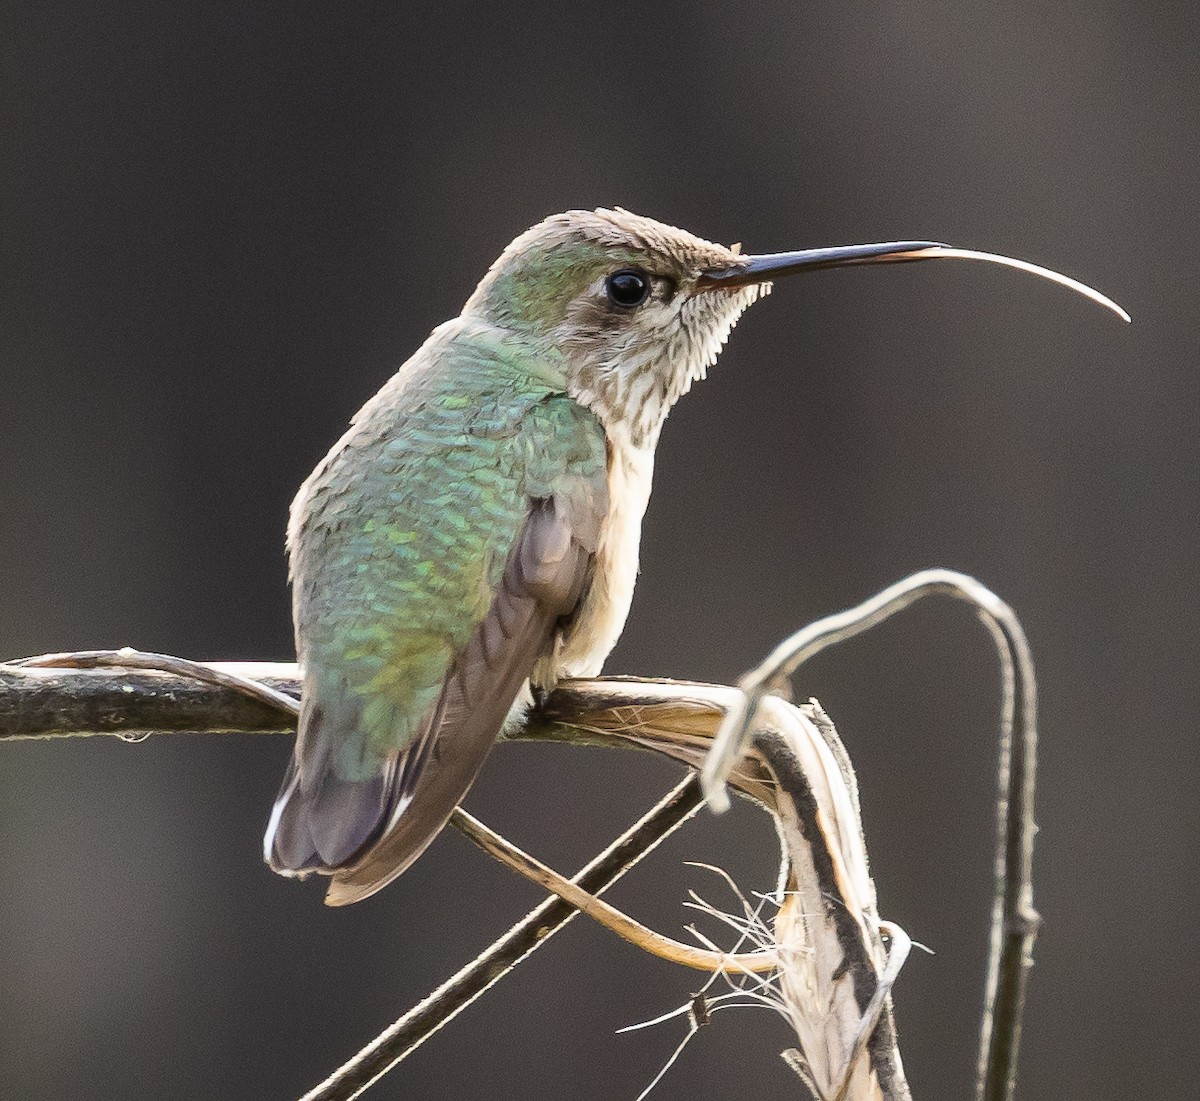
(476,531)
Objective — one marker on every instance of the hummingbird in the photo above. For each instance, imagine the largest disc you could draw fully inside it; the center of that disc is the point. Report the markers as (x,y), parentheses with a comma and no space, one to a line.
(473,537)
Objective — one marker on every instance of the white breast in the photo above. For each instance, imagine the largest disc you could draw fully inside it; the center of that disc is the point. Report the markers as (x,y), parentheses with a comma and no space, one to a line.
(602,617)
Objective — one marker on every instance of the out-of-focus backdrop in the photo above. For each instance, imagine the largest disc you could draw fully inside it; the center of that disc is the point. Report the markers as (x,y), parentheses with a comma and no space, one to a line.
(225,225)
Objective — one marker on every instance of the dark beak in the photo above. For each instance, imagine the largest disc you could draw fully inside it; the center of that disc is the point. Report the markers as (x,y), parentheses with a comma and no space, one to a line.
(762,269)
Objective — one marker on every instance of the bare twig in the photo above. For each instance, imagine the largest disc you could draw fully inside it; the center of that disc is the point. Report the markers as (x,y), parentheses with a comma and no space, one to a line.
(82,701)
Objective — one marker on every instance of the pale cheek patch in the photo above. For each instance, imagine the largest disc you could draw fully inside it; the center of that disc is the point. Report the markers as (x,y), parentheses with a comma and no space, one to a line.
(633,378)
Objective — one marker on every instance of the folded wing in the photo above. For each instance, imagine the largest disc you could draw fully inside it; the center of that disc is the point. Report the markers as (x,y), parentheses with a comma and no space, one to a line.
(365,820)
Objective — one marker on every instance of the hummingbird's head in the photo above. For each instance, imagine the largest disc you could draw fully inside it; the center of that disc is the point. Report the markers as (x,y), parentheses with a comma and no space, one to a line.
(633,311)
(620,301)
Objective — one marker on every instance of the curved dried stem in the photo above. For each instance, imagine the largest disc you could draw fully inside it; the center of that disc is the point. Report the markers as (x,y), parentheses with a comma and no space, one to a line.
(1015,922)
(610,917)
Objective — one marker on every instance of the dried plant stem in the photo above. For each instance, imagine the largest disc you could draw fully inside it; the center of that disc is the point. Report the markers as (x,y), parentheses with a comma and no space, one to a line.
(1015,922)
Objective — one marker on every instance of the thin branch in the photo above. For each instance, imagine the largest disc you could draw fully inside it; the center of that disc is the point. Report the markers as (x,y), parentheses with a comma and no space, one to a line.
(1015,922)
(129,658)
(532,931)
(74,702)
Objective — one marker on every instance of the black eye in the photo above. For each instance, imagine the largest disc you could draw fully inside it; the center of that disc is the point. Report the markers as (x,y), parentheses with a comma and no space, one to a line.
(627,288)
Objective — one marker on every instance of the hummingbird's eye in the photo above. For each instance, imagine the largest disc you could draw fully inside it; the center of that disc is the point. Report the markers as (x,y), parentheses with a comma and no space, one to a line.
(627,288)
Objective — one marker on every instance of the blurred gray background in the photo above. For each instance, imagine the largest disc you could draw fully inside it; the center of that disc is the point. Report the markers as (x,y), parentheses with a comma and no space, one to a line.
(224,225)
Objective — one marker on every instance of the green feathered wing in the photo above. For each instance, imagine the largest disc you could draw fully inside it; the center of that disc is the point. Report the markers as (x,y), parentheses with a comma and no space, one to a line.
(436,554)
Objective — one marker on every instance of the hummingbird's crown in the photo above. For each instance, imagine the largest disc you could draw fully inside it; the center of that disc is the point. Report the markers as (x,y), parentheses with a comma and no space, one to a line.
(619,228)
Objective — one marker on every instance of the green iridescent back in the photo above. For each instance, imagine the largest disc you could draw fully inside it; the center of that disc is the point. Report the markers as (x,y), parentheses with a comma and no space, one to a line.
(410,520)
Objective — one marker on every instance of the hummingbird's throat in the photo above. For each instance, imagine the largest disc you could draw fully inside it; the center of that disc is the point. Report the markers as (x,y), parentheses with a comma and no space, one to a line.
(632,389)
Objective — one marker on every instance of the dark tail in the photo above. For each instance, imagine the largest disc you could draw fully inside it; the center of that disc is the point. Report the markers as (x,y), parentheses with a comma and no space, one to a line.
(324,826)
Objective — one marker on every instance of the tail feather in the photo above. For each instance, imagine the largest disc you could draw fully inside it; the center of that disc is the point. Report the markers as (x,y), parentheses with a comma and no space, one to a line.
(325,826)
